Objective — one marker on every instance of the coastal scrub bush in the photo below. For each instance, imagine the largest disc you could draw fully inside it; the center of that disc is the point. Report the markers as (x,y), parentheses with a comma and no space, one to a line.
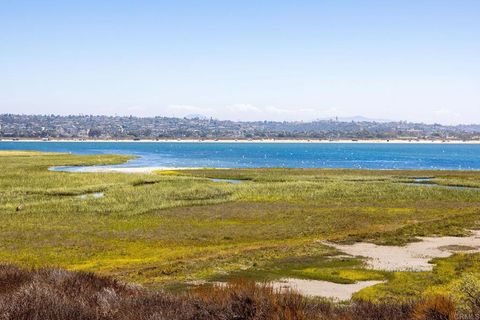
(56,294)
(437,307)
(469,297)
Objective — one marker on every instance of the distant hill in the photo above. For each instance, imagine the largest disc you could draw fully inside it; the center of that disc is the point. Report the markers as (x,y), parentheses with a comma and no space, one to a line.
(199,127)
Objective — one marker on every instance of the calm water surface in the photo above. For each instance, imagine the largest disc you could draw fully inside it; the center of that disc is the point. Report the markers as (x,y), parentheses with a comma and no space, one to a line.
(267,155)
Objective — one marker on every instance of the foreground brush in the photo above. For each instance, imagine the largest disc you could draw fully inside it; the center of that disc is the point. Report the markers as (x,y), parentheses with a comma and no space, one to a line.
(60,294)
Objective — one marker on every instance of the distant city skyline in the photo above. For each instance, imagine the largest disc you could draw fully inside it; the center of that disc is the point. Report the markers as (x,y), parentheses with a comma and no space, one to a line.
(410,60)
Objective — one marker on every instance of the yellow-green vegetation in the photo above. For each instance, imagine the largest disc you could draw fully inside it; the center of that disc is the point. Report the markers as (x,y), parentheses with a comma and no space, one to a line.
(450,277)
(171,227)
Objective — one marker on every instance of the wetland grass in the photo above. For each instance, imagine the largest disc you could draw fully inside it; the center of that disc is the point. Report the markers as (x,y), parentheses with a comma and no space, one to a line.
(165,229)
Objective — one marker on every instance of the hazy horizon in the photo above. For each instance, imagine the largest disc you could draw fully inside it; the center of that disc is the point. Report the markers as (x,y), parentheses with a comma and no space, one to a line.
(416,61)
(357,118)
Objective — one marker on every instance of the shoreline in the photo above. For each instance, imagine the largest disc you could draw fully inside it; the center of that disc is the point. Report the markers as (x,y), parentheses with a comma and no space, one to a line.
(148,170)
(312,141)
(99,169)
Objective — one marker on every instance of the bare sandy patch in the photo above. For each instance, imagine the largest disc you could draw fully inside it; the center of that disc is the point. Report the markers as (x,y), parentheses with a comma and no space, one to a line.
(311,288)
(325,289)
(413,256)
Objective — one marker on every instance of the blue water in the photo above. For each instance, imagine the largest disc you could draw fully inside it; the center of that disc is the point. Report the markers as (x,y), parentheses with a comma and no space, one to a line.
(266,155)
(232,181)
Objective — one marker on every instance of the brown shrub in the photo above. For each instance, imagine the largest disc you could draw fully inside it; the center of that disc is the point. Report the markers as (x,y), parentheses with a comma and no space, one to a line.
(11,278)
(435,308)
(243,299)
(60,294)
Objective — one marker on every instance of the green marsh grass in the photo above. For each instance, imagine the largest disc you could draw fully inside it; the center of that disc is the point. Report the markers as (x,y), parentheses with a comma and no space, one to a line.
(172,227)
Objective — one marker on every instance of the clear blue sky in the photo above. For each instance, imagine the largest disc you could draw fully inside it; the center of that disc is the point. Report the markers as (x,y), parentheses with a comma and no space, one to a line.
(415,60)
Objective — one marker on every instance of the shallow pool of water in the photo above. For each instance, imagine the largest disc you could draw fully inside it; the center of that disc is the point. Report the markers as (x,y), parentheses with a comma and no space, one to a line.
(94,195)
(428,182)
(234,181)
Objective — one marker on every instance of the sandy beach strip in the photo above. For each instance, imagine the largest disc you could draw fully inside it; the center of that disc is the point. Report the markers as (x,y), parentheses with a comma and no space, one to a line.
(139,170)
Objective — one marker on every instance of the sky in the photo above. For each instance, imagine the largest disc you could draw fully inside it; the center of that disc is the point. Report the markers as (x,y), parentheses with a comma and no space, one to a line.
(414,60)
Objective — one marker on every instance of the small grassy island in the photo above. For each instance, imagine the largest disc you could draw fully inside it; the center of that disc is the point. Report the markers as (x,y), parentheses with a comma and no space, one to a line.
(173,230)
